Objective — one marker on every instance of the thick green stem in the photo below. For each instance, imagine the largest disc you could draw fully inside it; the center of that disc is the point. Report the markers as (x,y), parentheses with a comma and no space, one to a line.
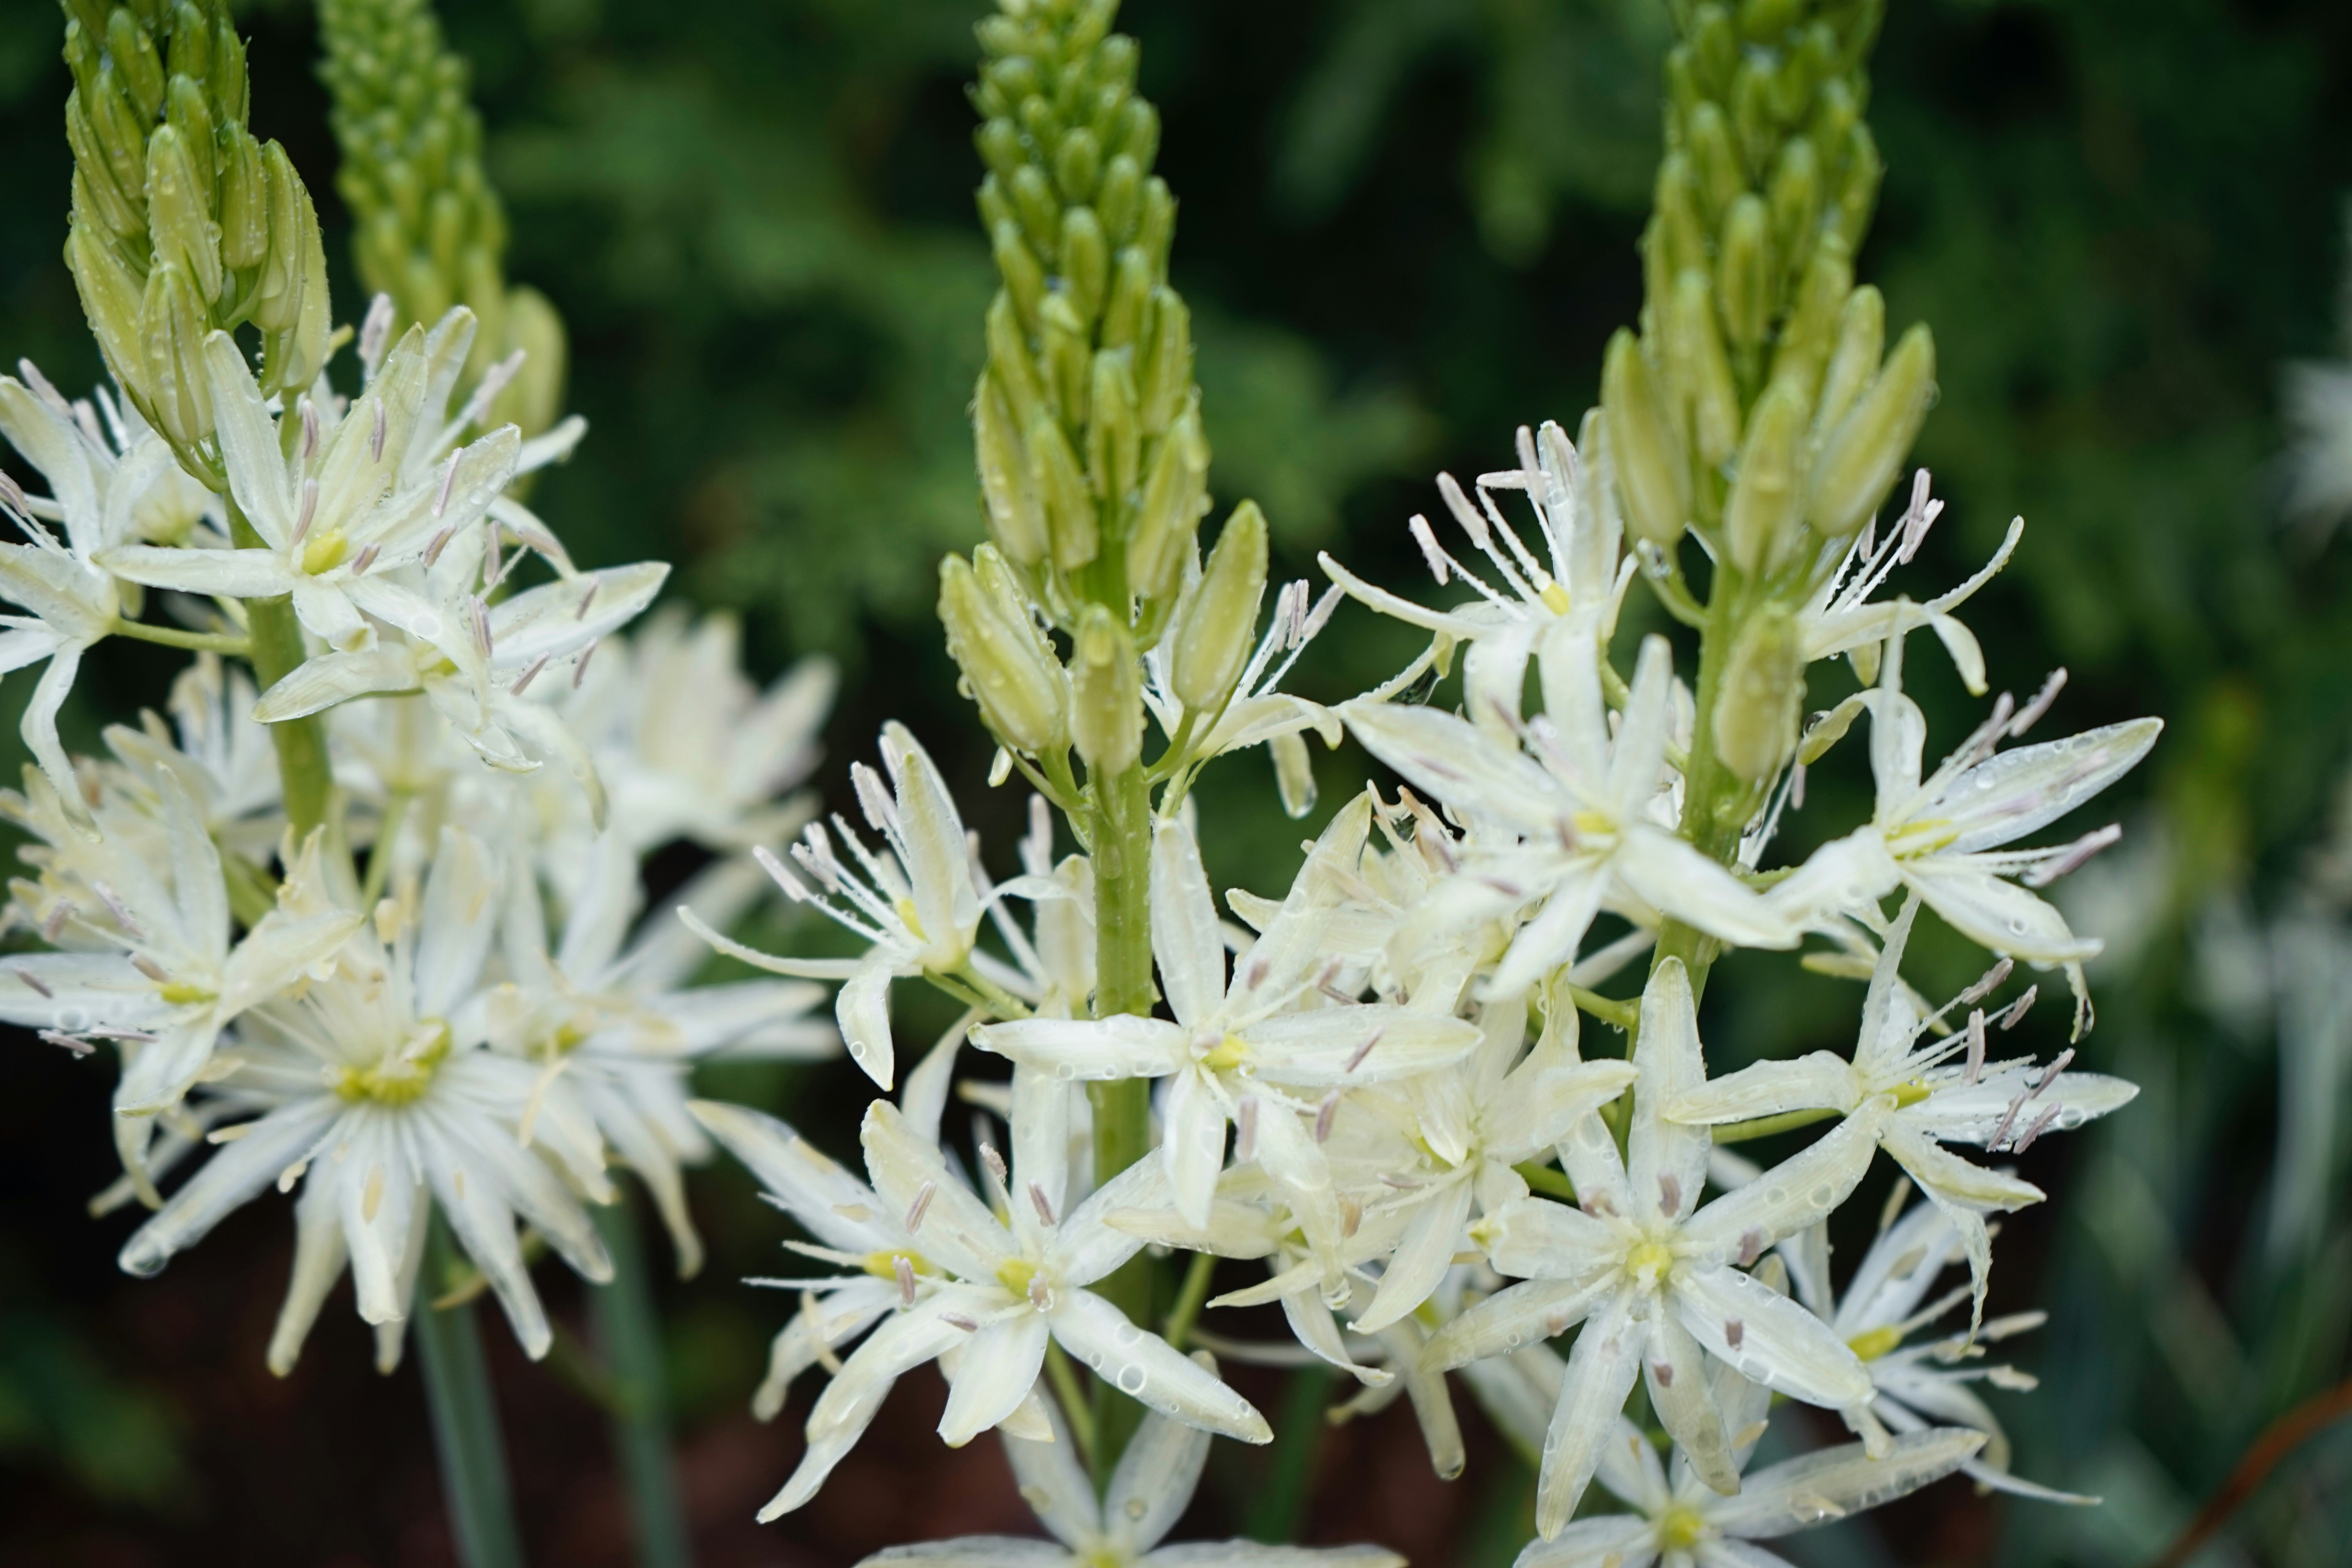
(276,650)
(1122,1110)
(1278,1505)
(174,637)
(465,1418)
(630,1335)
(1714,799)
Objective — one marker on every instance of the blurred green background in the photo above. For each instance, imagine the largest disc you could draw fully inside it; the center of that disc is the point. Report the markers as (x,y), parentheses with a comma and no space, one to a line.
(1407,226)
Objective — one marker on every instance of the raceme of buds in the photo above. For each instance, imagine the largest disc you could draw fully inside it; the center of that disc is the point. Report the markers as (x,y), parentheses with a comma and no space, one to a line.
(1762,696)
(1219,622)
(1106,694)
(1651,472)
(1858,463)
(1006,661)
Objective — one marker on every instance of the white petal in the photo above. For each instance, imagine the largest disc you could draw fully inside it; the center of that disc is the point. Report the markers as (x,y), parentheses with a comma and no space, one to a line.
(1537,1238)
(999,1368)
(1676,877)
(249,442)
(1147,1369)
(1153,1482)
(957,1230)
(1997,916)
(1801,1191)
(1667,1163)
(863,1011)
(1781,1345)
(1459,763)
(1315,1048)
(230,1177)
(1833,1482)
(1675,1370)
(1055,1483)
(1517,1316)
(817,1190)
(1600,1373)
(1608,1541)
(1420,1259)
(1185,935)
(1192,1144)
(1818,1080)
(2012,792)
(1094,1050)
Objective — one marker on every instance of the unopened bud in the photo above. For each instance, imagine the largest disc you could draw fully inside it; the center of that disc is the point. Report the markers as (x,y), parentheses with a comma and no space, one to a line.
(1857,196)
(290,305)
(1760,516)
(1121,199)
(1164,379)
(1085,261)
(1131,299)
(1699,370)
(1743,271)
(121,129)
(1806,335)
(186,112)
(1114,438)
(1015,519)
(1714,162)
(1106,695)
(1796,198)
(172,327)
(1009,360)
(244,201)
(1067,357)
(1680,231)
(1862,459)
(1024,279)
(1010,670)
(179,218)
(1714,47)
(1033,200)
(96,197)
(1861,344)
(999,141)
(1138,135)
(1762,696)
(111,299)
(1220,623)
(1294,772)
(1070,523)
(1651,470)
(1155,227)
(1169,512)
(1077,163)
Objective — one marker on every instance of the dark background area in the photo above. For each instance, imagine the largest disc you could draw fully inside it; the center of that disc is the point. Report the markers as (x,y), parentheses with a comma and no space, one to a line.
(1407,226)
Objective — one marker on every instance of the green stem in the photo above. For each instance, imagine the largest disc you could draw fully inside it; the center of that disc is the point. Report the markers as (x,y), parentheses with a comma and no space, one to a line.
(276,650)
(387,832)
(173,636)
(1765,1126)
(1075,1411)
(464,1419)
(1122,1110)
(630,1334)
(1544,1180)
(1273,1515)
(1713,796)
(1188,1297)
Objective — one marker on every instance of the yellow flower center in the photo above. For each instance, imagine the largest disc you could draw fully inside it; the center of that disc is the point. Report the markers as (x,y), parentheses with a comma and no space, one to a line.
(885,1264)
(1649,1262)
(1922,837)
(185,992)
(1015,1274)
(324,551)
(1872,1343)
(1910,1093)
(403,1077)
(1680,1528)
(1554,596)
(1588,822)
(1226,1053)
(906,908)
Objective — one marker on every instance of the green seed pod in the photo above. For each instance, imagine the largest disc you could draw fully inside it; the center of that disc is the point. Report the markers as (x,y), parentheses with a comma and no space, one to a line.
(111,299)
(1054,474)
(1743,271)
(1219,622)
(1085,261)
(1025,280)
(1067,357)
(1010,363)
(1131,299)
(1015,519)
(1164,379)
(1860,459)
(1650,469)
(1114,435)
(1699,370)
(1762,697)
(1169,512)
(1861,343)
(1714,162)
(179,220)
(1077,164)
(172,328)
(1760,516)
(1120,200)
(244,201)
(1106,695)
(1007,664)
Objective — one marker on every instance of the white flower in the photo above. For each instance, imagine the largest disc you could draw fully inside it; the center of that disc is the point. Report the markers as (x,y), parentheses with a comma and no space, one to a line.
(1937,1099)
(1007,1282)
(1145,1495)
(165,978)
(1238,1051)
(917,909)
(1921,1384)
(1652,1281)
(623,1029)
(372,1090)
(335,519)
(1550,609)
(223,758)
(1570,827)
(1940,836)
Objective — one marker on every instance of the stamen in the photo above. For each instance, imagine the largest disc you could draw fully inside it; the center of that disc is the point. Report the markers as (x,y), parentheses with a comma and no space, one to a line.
(1045,1205)
(439,542)
(1751,1247)
(448,484)
(76,1046)
(958,1321)
(2014,1014)
(1419,529)
(1733,1331)
(1670,1192)
(54,926)
(1976,1047)
(375,334)
(1364,1050)
(117,909)
(2041,703)
(310,415)
(365,560)
(147,967)
(587,598)
(2073,857)
(995,1164)
(1324,1112)
(1244,1127)
(920,1206)
(376,432)
(818,1337)
(1990,981)
(34,981)
(1351,1216)
(905,1273)
(2050,1074)
(1663,1372)
(2041,1124)
(580,671)
(531,674)
(305,511)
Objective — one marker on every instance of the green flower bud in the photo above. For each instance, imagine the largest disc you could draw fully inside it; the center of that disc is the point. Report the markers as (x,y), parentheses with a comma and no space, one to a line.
(291,302)
(1861,343)
(1715,49)
(179,220)
(1753,130)
(1835,112)
(112,298)
(1796,199)
(1715,164)
(1651,470)
(1010,363)
(193,118)
(1679,227)
(227,79)
(1008,665)
(1120,200)
(1114,436)
(1806,336)
(1219,622)
(192,44)
(994,208)
(1106,695)
(1743,271)
(1025,280)
(96,197)
(244,201)
(1863,457)
(172,328)
(1138,136)
(1155,230)
(1085,261)
(1294,772)
(1130,296)
(1065,356)
(1700,373)
(1032,198)
(1175,493)
(1857,196)
(132,50)
(1760,516)
(1077,164)
(1070,522)
(1115,58)
(1763,21)
(1015,519)
(122,131)
(1762,697)
(1164,379)
(999,141)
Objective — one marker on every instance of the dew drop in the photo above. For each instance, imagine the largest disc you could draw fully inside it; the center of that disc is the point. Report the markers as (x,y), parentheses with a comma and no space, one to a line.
(1130,1381)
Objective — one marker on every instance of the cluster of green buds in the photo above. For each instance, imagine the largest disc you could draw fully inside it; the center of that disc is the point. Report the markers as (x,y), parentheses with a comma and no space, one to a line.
(183,223)
(429,231)
(1759,405)
(1086,422)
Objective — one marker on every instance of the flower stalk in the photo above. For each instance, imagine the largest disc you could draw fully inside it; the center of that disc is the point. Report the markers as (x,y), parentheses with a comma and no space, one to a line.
(629,1332)
(465,1418)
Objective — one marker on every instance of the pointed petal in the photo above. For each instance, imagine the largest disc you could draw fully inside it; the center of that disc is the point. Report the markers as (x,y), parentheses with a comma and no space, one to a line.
(1089,1050)
(1667,1162)
(2013,793)
(1831,1483)
(1153,1482)
(1512,1318)
(1420,1259)
(957,1230)
(1147,1369)
(999,1368)
(1601,1372)
(1781,1345)
(1185,935)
